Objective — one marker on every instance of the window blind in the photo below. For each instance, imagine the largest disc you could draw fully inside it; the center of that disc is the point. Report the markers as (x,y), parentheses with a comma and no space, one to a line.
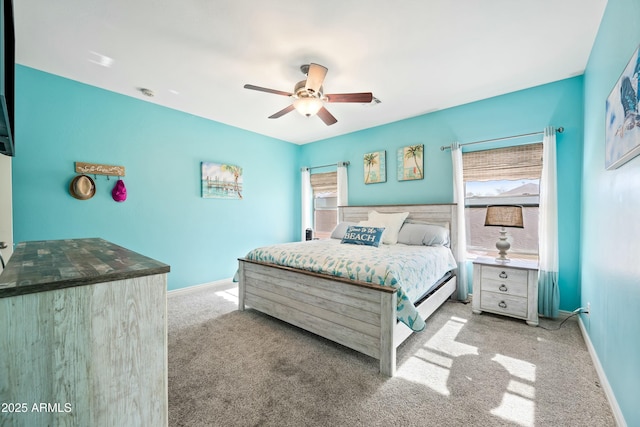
(326,182)
(518,162)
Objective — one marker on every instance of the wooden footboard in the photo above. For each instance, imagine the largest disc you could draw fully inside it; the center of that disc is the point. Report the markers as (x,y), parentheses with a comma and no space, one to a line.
(357,315)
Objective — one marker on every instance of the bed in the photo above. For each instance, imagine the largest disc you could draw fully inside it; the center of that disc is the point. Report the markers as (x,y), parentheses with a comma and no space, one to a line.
(357,313)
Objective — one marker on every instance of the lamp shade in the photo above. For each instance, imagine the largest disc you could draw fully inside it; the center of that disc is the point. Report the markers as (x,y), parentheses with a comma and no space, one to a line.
(307,106)
(504,216)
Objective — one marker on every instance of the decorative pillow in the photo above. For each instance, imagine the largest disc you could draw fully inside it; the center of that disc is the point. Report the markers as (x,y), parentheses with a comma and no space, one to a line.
(341,228)
(423,234)
(390,222)
(358,235)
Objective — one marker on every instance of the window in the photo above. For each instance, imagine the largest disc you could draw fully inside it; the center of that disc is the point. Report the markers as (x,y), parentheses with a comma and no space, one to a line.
(502,176)
(325,203)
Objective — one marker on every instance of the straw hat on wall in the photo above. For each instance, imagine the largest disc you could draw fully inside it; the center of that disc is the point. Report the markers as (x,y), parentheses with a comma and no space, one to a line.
(82,187)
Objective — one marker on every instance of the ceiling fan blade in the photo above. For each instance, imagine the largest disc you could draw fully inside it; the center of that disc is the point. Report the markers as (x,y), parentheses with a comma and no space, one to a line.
(326,116)
(315,77)
(264,89)
(363,97)
(282,112)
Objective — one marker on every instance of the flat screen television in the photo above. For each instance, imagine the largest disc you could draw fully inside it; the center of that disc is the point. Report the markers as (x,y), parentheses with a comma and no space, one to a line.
(7,70)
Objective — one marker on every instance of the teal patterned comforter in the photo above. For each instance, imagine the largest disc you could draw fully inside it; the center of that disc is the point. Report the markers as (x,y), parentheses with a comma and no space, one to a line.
(412,270)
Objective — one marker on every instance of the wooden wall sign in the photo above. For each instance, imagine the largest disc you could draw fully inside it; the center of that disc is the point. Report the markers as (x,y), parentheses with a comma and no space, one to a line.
(97,169)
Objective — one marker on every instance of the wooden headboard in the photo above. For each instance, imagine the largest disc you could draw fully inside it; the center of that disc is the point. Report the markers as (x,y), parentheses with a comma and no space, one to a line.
(443,214)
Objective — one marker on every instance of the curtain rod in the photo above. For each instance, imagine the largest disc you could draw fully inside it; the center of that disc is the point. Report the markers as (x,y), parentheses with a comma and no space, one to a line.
(444,147)
(325,166)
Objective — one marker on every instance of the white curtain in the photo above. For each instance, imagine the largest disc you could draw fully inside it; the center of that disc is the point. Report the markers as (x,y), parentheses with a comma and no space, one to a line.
(343,184)
(458,198)
(548,291)
(307,201)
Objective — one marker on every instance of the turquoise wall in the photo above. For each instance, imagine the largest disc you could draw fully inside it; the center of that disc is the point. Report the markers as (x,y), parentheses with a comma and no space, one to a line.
(611,228)
(531,110)
(60,121)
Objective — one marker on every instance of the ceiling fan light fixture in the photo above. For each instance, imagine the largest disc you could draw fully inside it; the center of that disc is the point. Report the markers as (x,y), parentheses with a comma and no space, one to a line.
(308,95)
(307,106)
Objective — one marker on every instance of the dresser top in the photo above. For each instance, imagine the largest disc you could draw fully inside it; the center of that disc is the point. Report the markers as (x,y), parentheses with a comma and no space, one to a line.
(47,265)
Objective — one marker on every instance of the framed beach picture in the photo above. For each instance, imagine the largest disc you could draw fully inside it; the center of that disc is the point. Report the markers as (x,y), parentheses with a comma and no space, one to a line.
(410,162)
(375,167)
(221,181)
(622,112)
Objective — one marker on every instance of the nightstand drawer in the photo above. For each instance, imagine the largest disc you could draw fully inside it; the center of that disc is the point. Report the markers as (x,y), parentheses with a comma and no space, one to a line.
(505,287)
(503,304)
(504,274)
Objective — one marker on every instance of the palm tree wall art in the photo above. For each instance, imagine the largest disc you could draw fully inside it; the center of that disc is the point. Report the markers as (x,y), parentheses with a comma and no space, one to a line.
(410,162)
(375,167)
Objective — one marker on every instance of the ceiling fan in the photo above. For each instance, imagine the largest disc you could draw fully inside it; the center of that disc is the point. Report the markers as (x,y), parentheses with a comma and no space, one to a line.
(309,98)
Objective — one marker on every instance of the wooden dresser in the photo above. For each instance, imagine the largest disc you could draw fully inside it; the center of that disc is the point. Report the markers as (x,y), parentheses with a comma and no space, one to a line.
(84,336)
(510,289)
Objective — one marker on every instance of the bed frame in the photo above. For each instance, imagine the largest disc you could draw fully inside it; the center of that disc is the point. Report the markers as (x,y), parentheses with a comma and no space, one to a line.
(358,315)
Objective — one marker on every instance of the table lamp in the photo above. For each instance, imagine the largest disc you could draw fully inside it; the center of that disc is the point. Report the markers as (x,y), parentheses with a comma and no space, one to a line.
(503,216)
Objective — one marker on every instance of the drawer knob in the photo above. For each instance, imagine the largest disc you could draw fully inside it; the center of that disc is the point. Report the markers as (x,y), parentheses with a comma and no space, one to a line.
(503,288)
(503,275)
(502,304)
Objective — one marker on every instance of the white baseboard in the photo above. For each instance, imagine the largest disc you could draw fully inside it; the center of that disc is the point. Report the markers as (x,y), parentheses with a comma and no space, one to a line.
(617,413)
(214,286)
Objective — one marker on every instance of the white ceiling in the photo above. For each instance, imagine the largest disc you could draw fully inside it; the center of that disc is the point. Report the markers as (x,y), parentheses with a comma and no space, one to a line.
(416,56)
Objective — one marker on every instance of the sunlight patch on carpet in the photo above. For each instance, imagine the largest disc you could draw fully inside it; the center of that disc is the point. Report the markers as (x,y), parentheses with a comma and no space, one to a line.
(433,365)
(430,366)
(419,369)
(517,409)
(230,295)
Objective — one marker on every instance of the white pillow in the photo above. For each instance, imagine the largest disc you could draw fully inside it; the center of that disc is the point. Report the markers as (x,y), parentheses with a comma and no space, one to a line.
(341,229)
(391,224)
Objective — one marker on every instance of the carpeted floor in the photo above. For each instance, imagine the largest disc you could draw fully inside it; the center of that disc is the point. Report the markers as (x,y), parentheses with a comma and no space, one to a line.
(231,368)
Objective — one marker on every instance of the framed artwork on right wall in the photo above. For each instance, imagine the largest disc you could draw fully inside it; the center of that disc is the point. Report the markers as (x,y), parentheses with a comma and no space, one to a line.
(410,162)
(622,112)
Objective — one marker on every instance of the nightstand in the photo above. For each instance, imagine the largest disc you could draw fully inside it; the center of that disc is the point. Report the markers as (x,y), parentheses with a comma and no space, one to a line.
(510,289)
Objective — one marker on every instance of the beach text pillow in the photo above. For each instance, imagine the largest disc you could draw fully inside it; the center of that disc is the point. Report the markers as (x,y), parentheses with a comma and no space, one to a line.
(359,235)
